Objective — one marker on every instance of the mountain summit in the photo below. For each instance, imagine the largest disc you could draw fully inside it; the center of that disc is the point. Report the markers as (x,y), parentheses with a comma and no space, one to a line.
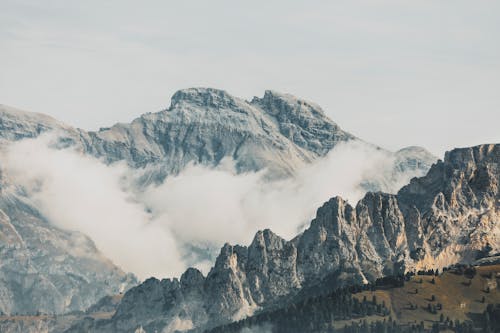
(203,125)
(278,132)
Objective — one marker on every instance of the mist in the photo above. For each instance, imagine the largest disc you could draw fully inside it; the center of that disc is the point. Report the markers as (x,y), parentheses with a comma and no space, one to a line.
(214,206)
(80,193)
(152,232)
(266,328)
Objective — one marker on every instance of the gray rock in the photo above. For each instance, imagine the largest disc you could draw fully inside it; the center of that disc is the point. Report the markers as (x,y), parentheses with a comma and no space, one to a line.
(443,218)
(42,271)
(278,132)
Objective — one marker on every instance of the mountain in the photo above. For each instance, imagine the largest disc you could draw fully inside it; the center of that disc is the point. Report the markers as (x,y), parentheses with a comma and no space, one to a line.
(203,125)
(451,215)
(47,269)
(278,132)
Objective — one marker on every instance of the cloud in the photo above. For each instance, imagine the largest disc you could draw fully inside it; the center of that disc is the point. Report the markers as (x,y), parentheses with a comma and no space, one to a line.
(266,328)
(183,221)
(77,192)
(213,206)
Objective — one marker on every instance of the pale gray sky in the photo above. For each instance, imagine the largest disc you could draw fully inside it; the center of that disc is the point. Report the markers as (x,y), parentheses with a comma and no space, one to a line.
(395,73)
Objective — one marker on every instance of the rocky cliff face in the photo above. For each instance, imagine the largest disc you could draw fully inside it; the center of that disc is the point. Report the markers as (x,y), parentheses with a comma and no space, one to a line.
(453,211)
(278,132)
(450,215)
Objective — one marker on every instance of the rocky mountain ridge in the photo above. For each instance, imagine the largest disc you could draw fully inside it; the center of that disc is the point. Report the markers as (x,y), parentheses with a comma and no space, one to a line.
(451,215)
(278,132)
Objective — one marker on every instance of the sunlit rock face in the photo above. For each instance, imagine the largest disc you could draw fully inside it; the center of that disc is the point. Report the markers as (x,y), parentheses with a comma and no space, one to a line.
(450,215)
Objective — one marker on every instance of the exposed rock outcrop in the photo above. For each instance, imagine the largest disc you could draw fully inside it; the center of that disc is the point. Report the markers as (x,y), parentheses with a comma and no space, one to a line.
(451,215)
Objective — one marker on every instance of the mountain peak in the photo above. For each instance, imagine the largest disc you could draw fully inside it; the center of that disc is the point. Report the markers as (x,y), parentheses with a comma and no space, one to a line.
(413,150)
(16,124)
(276,103)
(201,96)
(476,154)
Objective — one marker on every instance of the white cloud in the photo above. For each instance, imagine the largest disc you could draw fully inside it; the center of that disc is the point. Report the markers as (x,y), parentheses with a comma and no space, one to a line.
(80,193)
(146,232)
(214,206)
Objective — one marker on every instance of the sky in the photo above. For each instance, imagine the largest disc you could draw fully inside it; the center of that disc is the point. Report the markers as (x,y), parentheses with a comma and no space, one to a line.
(395,73)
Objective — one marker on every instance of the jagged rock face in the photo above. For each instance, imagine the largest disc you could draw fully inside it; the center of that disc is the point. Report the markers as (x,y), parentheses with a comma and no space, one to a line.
(302,122)
(382,244)
(453,212)
(278,132)
(157,304)
(242,278)
(448,216)
(205,125)
(271,266)
(355,244)
(329,243)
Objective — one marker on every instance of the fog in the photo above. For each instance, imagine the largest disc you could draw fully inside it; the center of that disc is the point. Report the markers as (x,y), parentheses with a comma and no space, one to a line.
(152,232)
(80,193)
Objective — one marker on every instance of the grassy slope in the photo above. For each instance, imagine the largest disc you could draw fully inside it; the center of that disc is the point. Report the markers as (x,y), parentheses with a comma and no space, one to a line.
(459,300)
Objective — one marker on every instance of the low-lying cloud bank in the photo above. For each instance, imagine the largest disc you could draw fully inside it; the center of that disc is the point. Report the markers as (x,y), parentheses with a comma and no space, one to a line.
(146,232)
(78,192)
